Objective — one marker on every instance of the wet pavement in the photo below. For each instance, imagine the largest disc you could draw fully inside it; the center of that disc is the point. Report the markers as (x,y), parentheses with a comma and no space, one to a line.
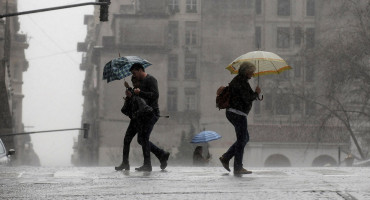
(183,183)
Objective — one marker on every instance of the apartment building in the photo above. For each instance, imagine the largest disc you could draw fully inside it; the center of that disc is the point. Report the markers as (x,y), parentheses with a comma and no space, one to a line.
(13,63)
(189,43)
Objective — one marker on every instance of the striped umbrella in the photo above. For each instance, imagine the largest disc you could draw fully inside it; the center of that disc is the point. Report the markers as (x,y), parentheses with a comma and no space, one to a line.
(205,136)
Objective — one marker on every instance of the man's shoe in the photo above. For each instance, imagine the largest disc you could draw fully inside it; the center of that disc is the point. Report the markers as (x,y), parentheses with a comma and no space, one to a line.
(164,160)
(123,166)
(144,168)
(242,171)
(225,163)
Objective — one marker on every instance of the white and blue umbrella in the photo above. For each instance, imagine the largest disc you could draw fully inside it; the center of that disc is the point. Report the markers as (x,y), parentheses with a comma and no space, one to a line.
(205,136)
(119,68)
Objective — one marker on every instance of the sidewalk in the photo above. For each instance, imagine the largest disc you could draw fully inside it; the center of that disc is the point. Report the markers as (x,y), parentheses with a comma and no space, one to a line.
(184,183)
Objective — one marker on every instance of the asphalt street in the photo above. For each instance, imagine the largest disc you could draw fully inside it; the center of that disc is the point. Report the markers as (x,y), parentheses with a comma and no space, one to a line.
(183,183)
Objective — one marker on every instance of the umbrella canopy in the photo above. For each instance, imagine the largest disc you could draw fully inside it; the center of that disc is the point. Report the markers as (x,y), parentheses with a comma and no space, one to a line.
(205,136)
(119,68)
(265,62)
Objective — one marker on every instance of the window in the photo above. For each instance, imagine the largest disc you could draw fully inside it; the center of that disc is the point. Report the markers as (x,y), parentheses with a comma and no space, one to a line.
(309,72)
(310,8)
(258,7)
(172,66)
(310,108)
(297,105)
(297,35)
(191,33)
(258,36)
(297,69)
(172,99)
(310,38)
(173,33)
(283,37)
(282,104)
(190,99)
(190,67)
(173,6)
(191,6)
(249,3)
(16,72)
(127,9)
(283,8)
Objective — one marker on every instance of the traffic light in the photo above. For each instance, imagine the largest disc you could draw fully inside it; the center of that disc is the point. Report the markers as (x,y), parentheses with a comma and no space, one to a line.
(86,129)
(104,11)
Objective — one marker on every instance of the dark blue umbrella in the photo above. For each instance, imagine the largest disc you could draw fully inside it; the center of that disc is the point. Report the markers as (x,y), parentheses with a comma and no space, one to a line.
(205,136)
(119,68)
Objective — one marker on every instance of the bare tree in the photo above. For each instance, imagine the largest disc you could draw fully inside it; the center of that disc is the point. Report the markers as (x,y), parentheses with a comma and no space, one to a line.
(341,60)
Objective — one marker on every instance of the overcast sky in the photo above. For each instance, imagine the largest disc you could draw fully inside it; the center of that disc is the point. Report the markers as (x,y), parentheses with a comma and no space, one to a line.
(53,82)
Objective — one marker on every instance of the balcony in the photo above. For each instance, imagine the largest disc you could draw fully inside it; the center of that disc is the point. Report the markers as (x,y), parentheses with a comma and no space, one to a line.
(20,38)
(153,7)
(20,41)
(84,63)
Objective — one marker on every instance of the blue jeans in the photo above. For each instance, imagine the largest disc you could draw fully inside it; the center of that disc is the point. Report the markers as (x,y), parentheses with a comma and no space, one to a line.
(242,137)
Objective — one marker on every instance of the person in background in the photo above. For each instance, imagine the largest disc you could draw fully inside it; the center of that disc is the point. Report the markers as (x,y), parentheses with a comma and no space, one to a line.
(198,159)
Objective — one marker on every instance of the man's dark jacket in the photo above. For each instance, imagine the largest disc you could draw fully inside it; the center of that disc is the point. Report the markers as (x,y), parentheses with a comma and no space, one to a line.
(242,95)
(149,92)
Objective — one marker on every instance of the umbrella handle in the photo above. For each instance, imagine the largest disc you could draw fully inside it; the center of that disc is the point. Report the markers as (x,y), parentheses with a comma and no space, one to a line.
(258,97)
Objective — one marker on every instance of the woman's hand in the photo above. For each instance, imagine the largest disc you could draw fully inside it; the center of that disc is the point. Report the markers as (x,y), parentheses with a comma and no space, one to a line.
(258,90)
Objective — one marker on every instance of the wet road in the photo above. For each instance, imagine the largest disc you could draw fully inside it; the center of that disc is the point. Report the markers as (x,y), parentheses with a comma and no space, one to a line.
(183,183)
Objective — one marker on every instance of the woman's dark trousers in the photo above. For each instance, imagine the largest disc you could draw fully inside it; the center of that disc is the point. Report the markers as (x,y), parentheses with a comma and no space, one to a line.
(242,137)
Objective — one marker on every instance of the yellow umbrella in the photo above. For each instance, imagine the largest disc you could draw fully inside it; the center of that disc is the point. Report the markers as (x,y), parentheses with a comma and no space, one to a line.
(265,62)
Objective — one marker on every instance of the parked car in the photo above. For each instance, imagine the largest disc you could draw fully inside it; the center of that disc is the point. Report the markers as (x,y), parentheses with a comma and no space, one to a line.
(5,157)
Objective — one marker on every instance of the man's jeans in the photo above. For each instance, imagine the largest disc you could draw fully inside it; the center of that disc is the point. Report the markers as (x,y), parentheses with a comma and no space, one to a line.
(146,125)
(242,137)
(133,128)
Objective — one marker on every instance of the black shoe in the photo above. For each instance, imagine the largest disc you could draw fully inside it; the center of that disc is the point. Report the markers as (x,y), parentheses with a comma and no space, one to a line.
(225,163)
(123,166)
(144,168)
(242,171)
(164,160)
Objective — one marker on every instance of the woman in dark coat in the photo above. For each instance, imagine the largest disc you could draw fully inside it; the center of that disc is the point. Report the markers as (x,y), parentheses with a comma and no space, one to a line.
(241,99)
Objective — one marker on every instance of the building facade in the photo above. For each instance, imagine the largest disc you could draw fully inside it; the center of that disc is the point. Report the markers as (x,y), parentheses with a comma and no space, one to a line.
(13,63)
(189,43)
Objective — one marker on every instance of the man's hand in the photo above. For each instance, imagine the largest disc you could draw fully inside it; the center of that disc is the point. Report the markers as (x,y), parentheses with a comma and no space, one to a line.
(258,90)
(128,93)
(137,90)
(126,84)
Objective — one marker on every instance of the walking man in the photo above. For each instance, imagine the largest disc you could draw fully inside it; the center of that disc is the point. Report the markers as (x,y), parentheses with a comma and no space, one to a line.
(148,90)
